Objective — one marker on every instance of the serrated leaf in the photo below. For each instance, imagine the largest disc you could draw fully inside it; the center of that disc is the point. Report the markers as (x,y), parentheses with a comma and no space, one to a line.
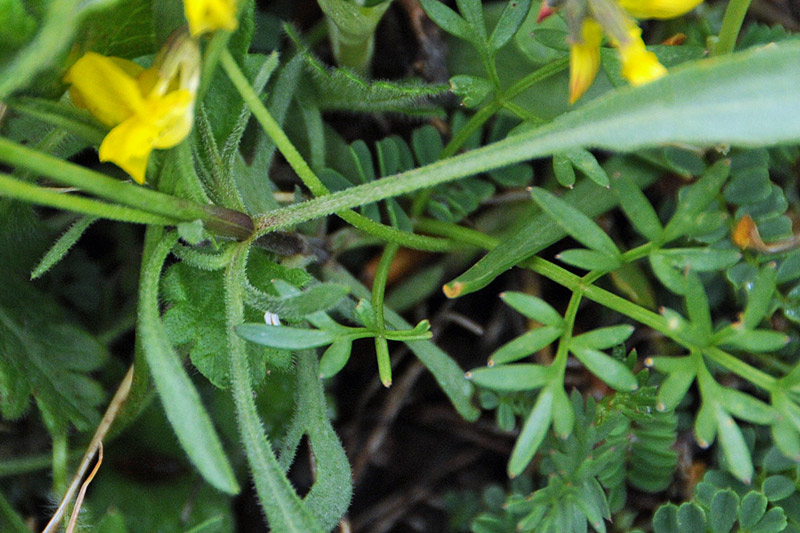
(524,345)
(589,259)
(510,21)
(574,222)
(602,338)
(532,434)
(611,371)
(517,377)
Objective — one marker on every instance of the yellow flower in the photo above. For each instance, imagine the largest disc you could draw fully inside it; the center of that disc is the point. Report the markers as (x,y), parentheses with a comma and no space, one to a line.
(145,108)
(209,15)
(589,19)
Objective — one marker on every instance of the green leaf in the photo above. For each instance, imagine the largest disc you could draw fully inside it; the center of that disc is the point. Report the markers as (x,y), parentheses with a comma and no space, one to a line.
(472,90)
(562,168)
(574,222)
(518,377)
(691,518)
(752,509)
(666,519)
(734,446)
(773,522)
(611,371)
(637,207)
(524,345)
(285,337)
(563,413)
(700,259)
(533,433)
(472,11)
(723,511)
(705,423)
(602,338)
(697,307)
(510,21)
(776,488)
(334,358)
(534,308)
(757,340)
(179,397)
(125,30)
(759,298)
(589,260)
(447,19)
(320,297)
(584,161)
(696,198)
(746,407)
(674,388)
(62,246)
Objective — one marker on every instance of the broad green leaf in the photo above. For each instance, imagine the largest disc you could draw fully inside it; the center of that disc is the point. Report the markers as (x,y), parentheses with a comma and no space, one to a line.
(602,338)
(179,397)
(666,519)
(510,21)
(752,509)
(611,371)
(534,308)
(637,207)
(774,521)
(574,223)
(778,487)
(125,30)
(589,259)
(518,377)
(285,337)
(724,505)
(759,298)
(691,518)
(533,433)
(525,345)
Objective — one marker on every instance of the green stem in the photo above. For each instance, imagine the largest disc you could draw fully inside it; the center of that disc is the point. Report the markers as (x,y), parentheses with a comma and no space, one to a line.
(731,25)
(378,293)
(283,507)
(218,219)
(307,175)
(20,190)
(562,353)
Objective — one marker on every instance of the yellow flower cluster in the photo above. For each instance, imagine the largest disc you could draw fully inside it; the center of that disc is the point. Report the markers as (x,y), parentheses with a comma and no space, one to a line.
(590,19)
(147,108)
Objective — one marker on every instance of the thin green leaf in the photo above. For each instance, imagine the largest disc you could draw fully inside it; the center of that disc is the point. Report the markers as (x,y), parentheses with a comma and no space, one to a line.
(447,19)
(584,161)
(574,223)
(334,358)
(674,388)
(734,446)
(563,169)
(637,207)
(518,377)
(285,337)
(532,434)
(757,340)
(700,259)
(57,252)
(746,407)
(563,413)
(759,298)
(589,260)
(611,371)
(602,338)
(534,308)
(525,345)
(510,21)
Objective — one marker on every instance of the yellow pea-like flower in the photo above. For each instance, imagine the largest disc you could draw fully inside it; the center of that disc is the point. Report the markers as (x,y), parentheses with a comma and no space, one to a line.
(658,9)
(584,59)
(210,15)
(145,108)
(638,65)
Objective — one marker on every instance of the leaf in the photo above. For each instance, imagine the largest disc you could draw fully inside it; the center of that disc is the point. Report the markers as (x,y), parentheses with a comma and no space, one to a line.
(589,260)
(752,509)
(285,337)
(637,207)
(334,358)
(757,340)
(723,511)
(777,488)
(733,446)
(584,161)
(533,433)
(611,371)
(562,168)
(759,298)
(563,413)
(525,345)
(674,388)
(472,90)
(691,518)
(574,223)
(518,377)
(700,259)
(125,30)
(510,21)
(319,297)
(696,198)
(447,19)
(697,307)
(179,397)
(746,407)
(534,308)
(602,338)
(62,246)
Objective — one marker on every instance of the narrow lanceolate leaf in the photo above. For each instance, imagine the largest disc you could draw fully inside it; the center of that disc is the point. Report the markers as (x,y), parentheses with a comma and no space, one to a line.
(510,21)
(563,413)
(284,337)
(532,434)
(334,358)
(574,223)
(447,19)
(637,207)
(613,372)
(697,304)
(589,260)
(673,389)
(534,308)
(760,297)
(584,161)
(700,259)
(747,407)
(519,377)
(740,463)
(179,397)
(602,338)
(757,340)
(62,245)
(526,344)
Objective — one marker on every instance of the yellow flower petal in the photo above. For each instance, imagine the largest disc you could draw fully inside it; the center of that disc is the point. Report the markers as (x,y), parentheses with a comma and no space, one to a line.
(129,145)
(209,15)
(584,59)
(638,65)
(658,9)
(104,86)
(173,115)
